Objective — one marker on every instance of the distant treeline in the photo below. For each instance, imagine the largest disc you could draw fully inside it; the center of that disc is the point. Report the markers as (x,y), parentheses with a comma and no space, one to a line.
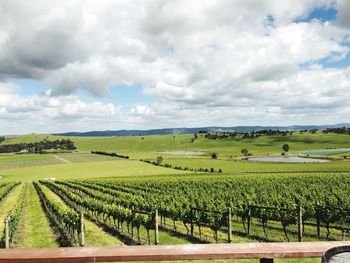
(167,165)
(245,135)
(342,130)
(110,154)
(2,138)
(38,147)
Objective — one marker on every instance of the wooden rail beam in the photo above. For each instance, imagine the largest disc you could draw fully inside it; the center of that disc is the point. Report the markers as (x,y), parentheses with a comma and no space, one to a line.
(264,251)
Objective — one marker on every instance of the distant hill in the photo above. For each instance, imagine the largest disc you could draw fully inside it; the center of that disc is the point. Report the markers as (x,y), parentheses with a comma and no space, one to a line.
(195,130)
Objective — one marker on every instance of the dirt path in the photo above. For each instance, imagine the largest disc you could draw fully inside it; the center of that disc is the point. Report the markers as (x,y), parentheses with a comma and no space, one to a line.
(60,158)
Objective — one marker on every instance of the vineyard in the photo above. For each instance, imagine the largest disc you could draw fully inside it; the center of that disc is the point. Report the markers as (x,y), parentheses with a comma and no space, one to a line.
(204,202)
(84,199)
(197,208)
(263,208)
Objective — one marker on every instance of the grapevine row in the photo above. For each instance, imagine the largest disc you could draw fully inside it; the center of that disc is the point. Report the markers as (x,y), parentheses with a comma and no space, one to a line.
(68,221)
(103,211)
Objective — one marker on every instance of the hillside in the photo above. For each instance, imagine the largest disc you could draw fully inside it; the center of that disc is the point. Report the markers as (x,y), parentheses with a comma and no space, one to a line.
(193,130)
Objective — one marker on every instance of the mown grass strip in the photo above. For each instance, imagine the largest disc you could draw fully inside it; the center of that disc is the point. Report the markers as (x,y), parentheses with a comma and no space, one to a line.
(35,230)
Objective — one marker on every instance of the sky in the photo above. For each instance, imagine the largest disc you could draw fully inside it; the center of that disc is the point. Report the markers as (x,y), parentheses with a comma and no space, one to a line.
(81,65)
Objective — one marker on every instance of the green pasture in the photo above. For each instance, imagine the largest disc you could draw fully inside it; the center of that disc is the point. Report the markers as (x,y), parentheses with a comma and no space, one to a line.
(235,166)
(114,168)
(23,157)
(83,165)
(148,147)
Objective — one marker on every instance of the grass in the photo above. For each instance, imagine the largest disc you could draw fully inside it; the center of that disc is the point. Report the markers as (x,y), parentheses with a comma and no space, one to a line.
(234,166)
(8,204)
(117,167)
(24,157)
(84,157)
(21,164)
(11,161)
(95,236)
(34,229)
(150,145)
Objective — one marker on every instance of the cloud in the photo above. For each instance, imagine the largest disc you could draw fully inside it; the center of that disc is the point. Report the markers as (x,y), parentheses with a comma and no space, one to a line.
(343,8)
(197,58)
(46,113)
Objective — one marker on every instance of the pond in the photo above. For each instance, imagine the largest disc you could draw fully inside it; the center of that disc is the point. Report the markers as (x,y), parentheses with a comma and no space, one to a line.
(287,160)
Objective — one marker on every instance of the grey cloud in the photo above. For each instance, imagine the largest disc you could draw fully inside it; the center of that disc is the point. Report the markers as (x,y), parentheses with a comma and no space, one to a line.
(200,57)
(343,11)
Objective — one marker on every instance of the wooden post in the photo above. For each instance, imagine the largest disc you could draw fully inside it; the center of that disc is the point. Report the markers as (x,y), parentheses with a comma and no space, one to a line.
(229,224)
(82,234)
(266,260)
(156,236)
(7,234)
(318,222)
(132,223)
(300,223)
(192,227)
(249,219)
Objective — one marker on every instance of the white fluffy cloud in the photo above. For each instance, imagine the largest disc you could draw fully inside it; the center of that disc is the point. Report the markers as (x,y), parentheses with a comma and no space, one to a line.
(219,62)
(43,112)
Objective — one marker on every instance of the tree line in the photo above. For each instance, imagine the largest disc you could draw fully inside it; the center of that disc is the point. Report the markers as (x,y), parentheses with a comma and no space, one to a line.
(110,154)
(38,147)
(342,130)
(245,135)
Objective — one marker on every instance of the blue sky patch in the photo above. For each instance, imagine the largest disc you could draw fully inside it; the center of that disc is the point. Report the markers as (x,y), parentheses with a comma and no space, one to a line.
(322,14)
(29,86)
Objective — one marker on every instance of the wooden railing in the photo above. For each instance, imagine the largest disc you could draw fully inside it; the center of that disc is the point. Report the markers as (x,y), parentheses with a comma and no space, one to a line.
(266,252)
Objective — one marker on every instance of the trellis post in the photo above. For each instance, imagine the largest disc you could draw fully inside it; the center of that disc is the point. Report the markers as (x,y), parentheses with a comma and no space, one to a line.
(192,227)
(82,234)
(229,224)
(156,233)
(300,222)
(249,219)
(7,232)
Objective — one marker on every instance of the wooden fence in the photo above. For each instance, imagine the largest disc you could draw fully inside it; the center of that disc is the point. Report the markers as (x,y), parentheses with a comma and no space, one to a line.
(266,252)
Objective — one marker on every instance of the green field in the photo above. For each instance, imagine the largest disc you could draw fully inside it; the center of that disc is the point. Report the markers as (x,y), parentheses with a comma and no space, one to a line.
(150,145)
(35,229)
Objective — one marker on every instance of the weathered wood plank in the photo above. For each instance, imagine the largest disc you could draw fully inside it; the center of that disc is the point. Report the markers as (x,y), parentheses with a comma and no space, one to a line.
(171,252)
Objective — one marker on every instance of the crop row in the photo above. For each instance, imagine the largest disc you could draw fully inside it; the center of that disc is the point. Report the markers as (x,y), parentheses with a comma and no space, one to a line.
(323,198)
(102,208)
(67,221)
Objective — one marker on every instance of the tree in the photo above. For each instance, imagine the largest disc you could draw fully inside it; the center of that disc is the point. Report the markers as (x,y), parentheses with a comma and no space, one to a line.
(2,138)
(159,160)
(245,152)
(285,147)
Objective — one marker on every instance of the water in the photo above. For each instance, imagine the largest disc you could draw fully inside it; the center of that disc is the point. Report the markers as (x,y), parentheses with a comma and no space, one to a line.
(287,160)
